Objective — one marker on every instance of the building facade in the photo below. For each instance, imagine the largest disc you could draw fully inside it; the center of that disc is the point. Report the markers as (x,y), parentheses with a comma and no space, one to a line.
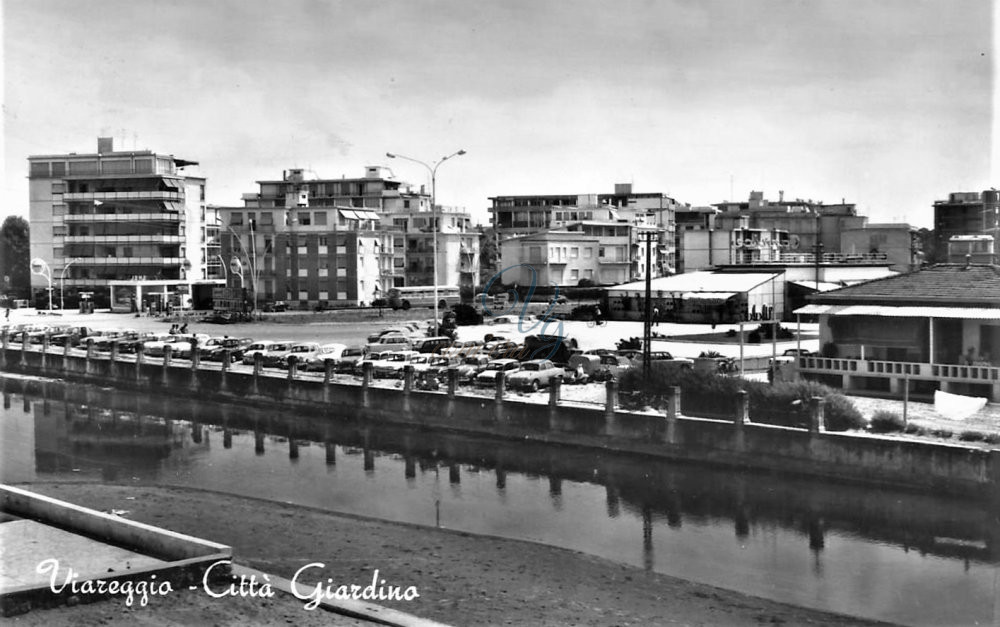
(516,216)
(344,242)
(103,218)
(965,213)
(937,328)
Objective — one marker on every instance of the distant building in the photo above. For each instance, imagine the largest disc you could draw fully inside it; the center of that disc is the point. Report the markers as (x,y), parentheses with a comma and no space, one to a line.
(123,225)
(516,216)
(898,244)
(965,213)
(344,242)
(972,249)
(937,328)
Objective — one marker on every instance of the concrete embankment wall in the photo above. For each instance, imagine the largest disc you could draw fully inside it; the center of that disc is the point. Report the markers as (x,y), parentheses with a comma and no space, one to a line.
(734,443)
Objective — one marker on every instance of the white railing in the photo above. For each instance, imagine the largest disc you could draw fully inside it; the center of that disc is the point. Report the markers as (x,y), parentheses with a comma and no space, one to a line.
(124,239)
(121,217)
(880,368)
(157,195)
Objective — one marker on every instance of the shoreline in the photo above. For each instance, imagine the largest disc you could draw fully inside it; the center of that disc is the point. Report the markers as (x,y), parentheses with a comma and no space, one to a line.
(463,578)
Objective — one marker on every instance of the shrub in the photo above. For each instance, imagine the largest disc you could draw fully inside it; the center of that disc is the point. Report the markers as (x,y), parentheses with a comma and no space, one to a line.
(915,429)
(710,354)
(992,438)
(886,422)
(972,436)
(731,333)
(941,433)
(753,337)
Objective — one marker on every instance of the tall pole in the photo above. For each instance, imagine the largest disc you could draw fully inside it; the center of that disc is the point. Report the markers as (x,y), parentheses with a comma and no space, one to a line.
(647,327)
(62,283)
(433,172)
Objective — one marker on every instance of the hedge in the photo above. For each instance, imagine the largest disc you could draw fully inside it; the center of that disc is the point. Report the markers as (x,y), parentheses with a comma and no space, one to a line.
(713,395)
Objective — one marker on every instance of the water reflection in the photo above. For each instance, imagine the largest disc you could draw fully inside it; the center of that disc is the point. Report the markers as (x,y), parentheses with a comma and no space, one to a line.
(898,556)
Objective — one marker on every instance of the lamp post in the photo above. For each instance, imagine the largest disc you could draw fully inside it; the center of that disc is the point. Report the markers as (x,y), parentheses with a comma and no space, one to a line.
(62,283)
(432,169)
(251,260)
(39,267)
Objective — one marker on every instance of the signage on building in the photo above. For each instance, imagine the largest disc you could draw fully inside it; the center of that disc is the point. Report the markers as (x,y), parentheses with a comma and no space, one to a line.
(229,299)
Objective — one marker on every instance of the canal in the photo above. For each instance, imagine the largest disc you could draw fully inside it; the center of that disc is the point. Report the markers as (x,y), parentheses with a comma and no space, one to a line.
(892,555)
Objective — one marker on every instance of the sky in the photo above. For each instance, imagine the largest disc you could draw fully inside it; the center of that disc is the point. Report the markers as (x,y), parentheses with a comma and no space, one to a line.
(885,103)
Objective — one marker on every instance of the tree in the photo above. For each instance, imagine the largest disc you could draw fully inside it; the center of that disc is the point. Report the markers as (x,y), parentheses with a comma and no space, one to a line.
(489,253)
(928,243)
(15,255)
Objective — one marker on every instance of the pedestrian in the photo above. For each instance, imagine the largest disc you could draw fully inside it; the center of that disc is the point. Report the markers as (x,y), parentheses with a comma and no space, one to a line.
(6,315)
(184,328)
(656,316)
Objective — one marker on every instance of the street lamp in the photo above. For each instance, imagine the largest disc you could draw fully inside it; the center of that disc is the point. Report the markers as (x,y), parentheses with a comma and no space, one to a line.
(432,169)
(251,260)
(39,267)
(62,283)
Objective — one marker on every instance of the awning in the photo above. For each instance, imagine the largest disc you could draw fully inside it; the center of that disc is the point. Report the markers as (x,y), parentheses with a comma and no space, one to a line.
(709,295)
(961,313)
(358,214)
(821,286)
(815,310)
(174,183)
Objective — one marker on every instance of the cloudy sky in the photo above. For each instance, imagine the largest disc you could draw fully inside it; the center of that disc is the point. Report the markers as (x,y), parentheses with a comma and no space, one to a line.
(888,104)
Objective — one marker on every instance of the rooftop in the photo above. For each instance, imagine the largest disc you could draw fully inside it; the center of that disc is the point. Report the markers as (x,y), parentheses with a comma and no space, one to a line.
(943,284)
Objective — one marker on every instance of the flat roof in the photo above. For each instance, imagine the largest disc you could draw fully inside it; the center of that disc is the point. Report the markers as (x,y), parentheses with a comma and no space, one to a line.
(711,282)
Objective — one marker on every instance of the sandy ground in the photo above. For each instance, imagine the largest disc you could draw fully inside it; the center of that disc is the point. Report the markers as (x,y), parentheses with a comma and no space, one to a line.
(462,579)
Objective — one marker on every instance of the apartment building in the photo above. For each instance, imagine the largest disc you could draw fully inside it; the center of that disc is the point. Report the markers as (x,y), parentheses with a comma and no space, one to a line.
(127,227)
(343,242)
(519,216)
(965,213)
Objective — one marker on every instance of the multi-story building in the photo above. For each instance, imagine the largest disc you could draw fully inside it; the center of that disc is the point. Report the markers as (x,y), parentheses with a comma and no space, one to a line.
(348,240)
(807,222)
(965,213)
(899,244)
(598,252)
(515,216)
(127,226)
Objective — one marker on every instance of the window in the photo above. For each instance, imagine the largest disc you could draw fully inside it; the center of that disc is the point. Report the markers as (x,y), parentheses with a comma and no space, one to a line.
(574,252)
(268,243)
(304,218)
(59,229)
(57,253)
(127,251)
(39,169)
(58,210)
(341,295)
(600,251)
(588,253)
(324,295)
(303,295)
(341,250)
(324,272)
(303,273)
(319,218)
(59,188)
(574,275)
(266,218)
(236,218)
(341,271)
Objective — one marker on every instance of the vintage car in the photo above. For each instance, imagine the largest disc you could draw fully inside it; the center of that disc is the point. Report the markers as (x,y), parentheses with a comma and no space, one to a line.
(534,374)
(488,375)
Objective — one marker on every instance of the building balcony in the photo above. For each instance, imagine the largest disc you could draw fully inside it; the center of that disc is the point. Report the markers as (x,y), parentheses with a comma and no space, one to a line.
(123,239)
(111,196)
(121,217)
(126,261)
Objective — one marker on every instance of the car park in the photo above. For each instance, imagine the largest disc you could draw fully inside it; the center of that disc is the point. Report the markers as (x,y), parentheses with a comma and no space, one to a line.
(488,375)
(534,374)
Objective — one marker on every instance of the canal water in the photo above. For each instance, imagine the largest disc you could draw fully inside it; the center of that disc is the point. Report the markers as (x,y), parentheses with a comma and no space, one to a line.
(892,555)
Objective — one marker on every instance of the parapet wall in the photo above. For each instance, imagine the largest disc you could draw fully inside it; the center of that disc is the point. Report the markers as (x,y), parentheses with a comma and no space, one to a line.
(738,443)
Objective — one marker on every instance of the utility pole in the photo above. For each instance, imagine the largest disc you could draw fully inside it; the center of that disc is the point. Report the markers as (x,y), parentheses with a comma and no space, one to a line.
(647,327)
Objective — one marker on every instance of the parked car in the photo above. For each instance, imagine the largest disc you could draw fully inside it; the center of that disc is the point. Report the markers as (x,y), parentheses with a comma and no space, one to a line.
(326,351)
(372,357)
(391,365)
(796,352)
(437,344)
(488,375)
(73,336)
(302,351)
(663,357)
(214,348)
(348,360)
(258,347)
(276,351)
(184,344)
(470,367)
(612,366)
(391,342)
(535,374)
(438,364)
(398,330)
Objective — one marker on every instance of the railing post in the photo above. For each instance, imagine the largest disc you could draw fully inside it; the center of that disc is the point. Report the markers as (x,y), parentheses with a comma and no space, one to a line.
(45,352)
(673,409)
(89,364)
(167,351)
(113,362)
(327,371)
(5,338)
(195,355)
(258,368)
(66,348)
(407,386)
(140,356)
(500,382)
(817,414)
(366,382)
(741,418)
(293,366)
(555,390)
(24,347)
(610,396)
(452,382)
